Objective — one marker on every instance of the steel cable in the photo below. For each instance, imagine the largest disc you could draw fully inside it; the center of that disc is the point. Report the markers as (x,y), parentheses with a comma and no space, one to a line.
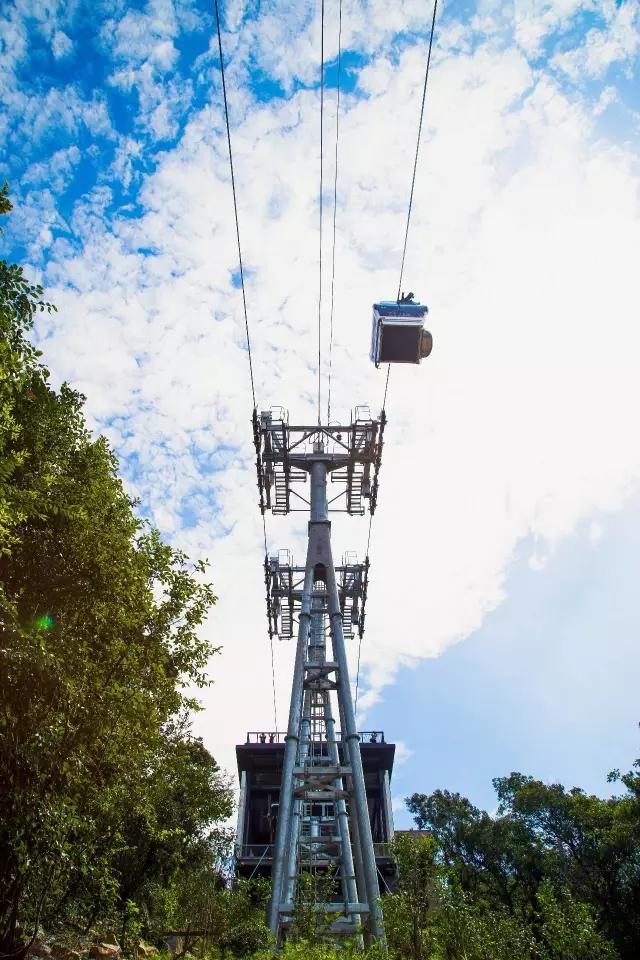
(320,204)
(335,206)
(404,253)
(244,298)
(415,162)
(273,671)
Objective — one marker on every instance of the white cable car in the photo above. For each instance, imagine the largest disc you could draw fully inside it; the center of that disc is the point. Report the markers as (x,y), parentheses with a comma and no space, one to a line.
(397,333)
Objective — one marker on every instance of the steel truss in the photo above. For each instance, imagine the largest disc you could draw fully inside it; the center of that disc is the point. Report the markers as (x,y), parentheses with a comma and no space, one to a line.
(323,827)
(353,453)
(285,588)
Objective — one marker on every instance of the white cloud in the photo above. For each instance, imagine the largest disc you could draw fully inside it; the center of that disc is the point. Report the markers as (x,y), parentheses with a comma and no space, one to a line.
(56,171)
(61,45)
(403,752)
(608,96)
(596,532)
(136,35)
(618,43)
(48,20)
(122,169)
(536,19)
(521,423)
(141,44)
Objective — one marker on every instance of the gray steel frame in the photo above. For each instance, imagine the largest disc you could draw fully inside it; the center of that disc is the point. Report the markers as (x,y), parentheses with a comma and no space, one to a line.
(310,774)
(352,453)
(284,595)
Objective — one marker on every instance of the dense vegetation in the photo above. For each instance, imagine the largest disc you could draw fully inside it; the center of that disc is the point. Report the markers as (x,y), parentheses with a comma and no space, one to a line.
(554,875)
(107,801)
(110,809)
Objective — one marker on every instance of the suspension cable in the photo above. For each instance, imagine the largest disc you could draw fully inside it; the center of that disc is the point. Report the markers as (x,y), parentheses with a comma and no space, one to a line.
(413,179)
(320,203)
(273,671)
(335,206)
(244,298)
(404,253)
(355,705)
(235,203)
(415,162)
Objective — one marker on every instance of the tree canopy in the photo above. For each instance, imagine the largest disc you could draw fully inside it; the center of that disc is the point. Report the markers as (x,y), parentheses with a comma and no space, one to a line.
(562,863)
(104,788)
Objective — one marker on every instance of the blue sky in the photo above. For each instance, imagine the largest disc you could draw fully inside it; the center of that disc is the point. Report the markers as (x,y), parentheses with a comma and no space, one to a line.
(502,624)
(547,686)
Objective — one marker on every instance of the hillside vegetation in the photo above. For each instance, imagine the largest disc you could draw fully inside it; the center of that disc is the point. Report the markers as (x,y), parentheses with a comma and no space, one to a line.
(108,803)
(111,811)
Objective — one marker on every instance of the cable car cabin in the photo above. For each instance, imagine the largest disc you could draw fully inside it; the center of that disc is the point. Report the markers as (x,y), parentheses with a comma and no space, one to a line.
(398,334)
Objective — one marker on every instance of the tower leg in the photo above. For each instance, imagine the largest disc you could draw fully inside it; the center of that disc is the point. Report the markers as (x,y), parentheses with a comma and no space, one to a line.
(353,818)
(350,734)
(320,759)
(283,829)
(289,882)
(350,891)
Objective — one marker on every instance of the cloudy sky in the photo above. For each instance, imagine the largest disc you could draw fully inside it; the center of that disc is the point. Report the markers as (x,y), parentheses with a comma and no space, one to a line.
(503,615)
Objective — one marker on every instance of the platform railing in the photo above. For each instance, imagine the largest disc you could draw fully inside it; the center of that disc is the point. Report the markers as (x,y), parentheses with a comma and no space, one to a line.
(275,736)
(383,851)
(264,851)
(265,736)
(254,851)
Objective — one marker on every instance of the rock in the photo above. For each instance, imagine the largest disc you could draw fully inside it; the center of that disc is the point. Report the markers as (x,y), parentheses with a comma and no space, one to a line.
(60,951)
(39,949)
(146,950)
(174,944)
(105,951)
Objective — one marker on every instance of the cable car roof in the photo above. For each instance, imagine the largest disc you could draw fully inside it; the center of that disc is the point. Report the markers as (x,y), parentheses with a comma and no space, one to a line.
(391,308)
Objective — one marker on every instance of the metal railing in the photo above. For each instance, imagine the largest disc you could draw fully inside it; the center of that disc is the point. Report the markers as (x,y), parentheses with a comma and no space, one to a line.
(254,851)
(371,736)
(264,852)
(275,736)
(382,851)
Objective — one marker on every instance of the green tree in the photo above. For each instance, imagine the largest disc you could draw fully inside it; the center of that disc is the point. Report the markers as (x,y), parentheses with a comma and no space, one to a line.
(310,950)
(173,832)
(99,640)
(237,919)
(19,302)
(409,909)
(553,860)
(499,859)
(428,916)
(591,845)
(567,929)
(466,928)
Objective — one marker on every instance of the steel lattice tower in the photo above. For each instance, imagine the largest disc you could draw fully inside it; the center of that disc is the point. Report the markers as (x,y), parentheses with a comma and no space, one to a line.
(323,823)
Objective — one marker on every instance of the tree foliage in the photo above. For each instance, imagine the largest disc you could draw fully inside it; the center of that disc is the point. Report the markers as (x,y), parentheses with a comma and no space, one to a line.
(560,863)
(104,790)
